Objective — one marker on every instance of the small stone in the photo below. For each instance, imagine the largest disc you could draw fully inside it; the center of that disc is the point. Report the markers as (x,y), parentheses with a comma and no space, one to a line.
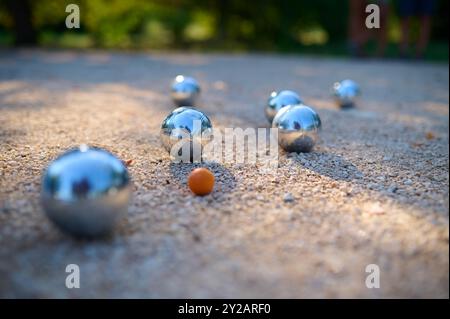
(392,188)
(288,198)
(375,209)
(359,175)
(430,136)
(408,182)
(392,174)
(220,85)
(373,186)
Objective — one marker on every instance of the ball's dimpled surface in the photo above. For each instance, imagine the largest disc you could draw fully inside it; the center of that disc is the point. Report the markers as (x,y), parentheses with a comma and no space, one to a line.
(185,90)
(278,100)
(201,181)
(346,93)
(298,128)
(188,129)
(85,191)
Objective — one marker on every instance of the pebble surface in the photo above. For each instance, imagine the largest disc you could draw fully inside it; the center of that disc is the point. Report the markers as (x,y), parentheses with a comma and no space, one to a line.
(374,191)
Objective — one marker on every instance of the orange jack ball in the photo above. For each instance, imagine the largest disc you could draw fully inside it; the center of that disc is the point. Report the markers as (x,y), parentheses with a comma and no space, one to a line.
(201,181)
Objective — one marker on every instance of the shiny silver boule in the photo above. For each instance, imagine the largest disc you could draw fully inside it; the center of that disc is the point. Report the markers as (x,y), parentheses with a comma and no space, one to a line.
(277,100)
(346,93)
(298,128)
(85,191)
(185,90)
(184,132)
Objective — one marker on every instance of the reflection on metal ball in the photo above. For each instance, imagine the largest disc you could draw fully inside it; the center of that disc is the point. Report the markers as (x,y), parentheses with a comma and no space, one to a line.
(185,90)
(278,100)
(298,128)
(85,191)
(184,132)
(346,93)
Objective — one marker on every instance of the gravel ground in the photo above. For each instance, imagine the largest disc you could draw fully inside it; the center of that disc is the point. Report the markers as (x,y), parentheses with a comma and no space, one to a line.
(374,190)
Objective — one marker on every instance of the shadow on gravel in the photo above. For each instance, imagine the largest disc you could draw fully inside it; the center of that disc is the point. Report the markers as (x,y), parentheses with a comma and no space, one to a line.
(10,135)
(224,180)
(330,165)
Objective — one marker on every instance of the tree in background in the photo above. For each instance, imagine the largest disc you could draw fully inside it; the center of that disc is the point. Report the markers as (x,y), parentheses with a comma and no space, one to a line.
(21,13)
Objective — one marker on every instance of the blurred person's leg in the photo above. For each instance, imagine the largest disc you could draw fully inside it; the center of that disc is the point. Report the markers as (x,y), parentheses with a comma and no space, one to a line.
(404,41)
(425,12)
(406,11)
(382,33)
(358,34)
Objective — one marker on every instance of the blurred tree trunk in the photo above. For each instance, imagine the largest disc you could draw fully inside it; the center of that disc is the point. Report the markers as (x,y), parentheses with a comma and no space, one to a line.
(20,11)
(222,20)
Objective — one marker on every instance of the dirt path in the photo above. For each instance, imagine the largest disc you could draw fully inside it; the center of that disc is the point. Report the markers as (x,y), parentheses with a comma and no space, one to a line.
(374,191)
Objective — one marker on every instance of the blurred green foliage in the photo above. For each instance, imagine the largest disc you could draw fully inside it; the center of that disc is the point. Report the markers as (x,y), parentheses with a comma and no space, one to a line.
(318,26)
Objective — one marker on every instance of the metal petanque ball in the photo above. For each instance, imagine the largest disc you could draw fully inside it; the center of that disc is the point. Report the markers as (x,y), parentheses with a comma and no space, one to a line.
(184,132)
(185,90)
(346,93)
(298,128)
(278,100)
(85,191)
